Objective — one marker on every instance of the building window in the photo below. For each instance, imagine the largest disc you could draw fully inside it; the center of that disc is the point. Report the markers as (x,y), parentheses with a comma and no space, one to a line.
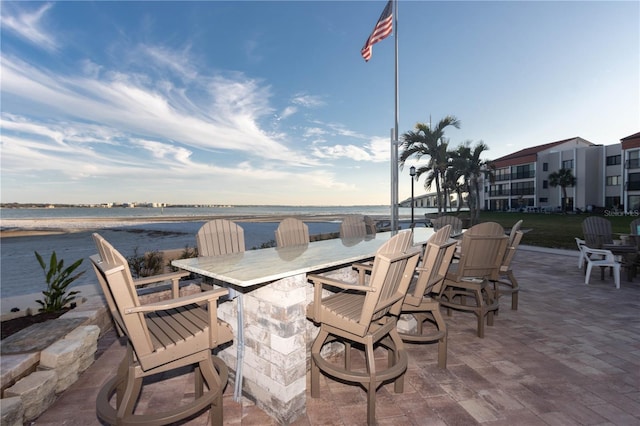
(612,202)
(633,161)
(522,188)
(633,183)
(543,200)
(567,164)
(523,172)
(545,167)
(613,180)
(545,184)
(613,160)
(633,203)
(502,174)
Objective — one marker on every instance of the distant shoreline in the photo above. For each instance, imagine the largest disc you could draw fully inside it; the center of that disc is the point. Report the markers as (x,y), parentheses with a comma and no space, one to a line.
(11,228)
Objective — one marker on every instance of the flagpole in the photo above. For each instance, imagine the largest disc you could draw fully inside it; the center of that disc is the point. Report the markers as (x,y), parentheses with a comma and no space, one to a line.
(394,141)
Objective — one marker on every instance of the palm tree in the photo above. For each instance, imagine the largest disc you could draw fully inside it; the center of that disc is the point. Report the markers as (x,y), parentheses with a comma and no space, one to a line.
(563,178)
(476,167)
(469,167)
(455,178)
(424,141)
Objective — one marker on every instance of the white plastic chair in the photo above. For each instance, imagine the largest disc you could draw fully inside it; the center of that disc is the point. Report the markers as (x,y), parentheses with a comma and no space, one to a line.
(580,243)
(602,258)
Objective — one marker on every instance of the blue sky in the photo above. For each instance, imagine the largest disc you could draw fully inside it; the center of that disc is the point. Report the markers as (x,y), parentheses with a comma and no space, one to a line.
(271,103)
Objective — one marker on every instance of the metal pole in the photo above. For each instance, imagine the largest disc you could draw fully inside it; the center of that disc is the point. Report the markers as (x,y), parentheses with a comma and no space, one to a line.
(412,223)
(394,225)
(412,173)
(394,184)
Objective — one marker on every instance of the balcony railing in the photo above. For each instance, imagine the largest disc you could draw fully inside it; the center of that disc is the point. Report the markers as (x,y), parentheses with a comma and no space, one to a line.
(513,176)
(523,191)
(633,163)
(633,186)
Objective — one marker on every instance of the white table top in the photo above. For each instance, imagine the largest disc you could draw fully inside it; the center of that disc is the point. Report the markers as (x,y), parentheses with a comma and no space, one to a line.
(255,267)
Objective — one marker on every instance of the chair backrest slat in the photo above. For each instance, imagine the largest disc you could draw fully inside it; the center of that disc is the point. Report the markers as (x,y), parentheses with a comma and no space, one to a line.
(114,275)
(486,228)
(390,276)
(436,259)
(482,252)
(453,221)
(353,226)
(597,231)
(218,237)
(292,232)
(512,247)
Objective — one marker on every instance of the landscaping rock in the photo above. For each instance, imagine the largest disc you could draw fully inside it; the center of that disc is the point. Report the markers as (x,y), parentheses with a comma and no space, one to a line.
(11,411)
(36,391)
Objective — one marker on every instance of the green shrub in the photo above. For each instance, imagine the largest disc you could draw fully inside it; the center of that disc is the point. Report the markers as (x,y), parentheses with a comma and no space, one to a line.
(145,265)
(58,278)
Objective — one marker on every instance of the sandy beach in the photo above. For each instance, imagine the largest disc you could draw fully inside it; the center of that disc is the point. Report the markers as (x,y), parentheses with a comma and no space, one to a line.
(41,227)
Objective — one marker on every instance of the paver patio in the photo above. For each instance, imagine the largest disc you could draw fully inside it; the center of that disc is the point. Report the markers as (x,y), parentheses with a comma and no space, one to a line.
(570,355)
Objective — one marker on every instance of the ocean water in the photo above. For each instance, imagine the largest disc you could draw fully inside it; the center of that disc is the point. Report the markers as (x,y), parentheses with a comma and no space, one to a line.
(20,273)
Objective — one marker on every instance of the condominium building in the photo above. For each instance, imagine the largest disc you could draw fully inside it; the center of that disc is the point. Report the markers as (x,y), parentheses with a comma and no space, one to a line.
(607,176)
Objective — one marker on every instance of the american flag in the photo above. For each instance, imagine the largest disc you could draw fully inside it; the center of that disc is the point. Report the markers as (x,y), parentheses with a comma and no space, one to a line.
(383,28)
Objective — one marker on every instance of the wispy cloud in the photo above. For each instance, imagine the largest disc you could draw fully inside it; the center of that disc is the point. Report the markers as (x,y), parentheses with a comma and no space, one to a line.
(308,101)
(28,24)
(226,114)
(155,119)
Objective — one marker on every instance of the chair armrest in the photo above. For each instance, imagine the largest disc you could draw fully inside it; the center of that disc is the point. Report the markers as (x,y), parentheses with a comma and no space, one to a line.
(163,305)
(159,278)
(173,276)
(322,280)
(363,269)
(590,250)
(319,281)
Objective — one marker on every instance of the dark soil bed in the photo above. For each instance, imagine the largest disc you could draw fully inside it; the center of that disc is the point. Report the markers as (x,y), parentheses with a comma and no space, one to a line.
(14,325)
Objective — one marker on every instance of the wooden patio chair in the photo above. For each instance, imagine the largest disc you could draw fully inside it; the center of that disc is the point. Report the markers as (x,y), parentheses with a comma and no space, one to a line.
(353,226)
(507,283)
(367,315)
(486,228)
(400,243)
(218,237)
(292,232)
(419,303)
(453,221)
(597,231)
(479,263)
(161,337)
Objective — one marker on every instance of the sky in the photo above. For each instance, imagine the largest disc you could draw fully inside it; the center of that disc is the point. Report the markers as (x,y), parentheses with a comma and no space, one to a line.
(264,102)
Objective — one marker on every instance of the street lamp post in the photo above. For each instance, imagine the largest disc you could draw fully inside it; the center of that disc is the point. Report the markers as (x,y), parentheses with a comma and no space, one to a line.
(412,173)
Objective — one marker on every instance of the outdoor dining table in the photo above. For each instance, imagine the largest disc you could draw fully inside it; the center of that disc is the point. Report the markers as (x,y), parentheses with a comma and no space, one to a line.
(628,254)
(272,332)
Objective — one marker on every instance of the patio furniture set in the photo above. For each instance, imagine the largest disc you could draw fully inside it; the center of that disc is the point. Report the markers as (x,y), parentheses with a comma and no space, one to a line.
(599,249)
(275,325)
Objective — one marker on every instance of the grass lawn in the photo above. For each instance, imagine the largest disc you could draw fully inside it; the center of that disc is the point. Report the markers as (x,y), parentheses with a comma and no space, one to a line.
(552,230)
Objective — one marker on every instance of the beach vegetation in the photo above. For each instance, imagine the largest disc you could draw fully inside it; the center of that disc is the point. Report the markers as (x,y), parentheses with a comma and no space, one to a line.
(187,253)
(146,264)
(58,279)
(268,244)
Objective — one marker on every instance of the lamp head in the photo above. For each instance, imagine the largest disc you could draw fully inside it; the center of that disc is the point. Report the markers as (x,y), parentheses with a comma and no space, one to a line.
(412,171)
